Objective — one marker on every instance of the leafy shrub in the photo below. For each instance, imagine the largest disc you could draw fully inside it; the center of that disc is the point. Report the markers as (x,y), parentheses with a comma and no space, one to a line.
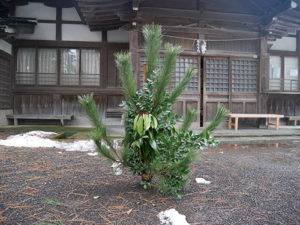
(153,145)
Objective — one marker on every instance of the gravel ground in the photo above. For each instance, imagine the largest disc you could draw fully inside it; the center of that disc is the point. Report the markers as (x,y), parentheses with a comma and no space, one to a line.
(251,184)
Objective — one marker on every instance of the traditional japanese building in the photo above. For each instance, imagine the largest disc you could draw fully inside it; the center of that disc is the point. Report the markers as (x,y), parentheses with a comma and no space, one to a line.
(247,53)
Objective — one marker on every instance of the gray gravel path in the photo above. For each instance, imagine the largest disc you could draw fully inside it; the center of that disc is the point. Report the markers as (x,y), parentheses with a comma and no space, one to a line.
(251,184)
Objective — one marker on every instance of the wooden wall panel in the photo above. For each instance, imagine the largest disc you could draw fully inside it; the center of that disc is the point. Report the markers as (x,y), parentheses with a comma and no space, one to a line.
(178,108)
(235,46)
(237,107)
(211,110)
(250,107)
(113,101)
(288,105)
(112,72)
(192,104)
(101,102)
(33,104)
(5,81)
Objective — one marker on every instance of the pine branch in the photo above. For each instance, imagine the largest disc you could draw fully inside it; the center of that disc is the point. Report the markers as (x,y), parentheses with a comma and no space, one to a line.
(162,81)
(190,117)
(123,61)
(190,73)
(101,149)
(221,113)
(91,109)
(153,40)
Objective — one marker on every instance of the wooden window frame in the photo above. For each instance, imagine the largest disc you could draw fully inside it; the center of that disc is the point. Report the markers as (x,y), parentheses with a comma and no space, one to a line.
(58,64)
(282,55)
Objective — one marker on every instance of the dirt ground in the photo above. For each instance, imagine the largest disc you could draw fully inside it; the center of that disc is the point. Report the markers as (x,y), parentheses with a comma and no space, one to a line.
(251,184)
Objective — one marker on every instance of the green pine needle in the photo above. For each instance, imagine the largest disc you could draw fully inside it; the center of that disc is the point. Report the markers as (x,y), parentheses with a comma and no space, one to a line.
(221,113)
(100,132)
(123,61)
(190,117)
(190,73)
(162,81)
(153,40)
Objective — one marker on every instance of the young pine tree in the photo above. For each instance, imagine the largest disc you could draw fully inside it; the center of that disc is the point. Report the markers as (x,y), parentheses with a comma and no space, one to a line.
(153,145)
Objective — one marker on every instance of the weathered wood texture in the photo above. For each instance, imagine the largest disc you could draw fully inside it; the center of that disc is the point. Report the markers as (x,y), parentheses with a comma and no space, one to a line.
(286,104)
(5,81)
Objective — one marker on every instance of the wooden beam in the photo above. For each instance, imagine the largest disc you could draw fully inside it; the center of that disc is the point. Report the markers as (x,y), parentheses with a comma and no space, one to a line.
(105,9)
(298,43)
(102,3)
(195,14)
(256,5)
(79,12)
(136,5)
(104,36)
(106,26)
(289,19)
(58,23)
(104,22)
(210,31)
(276,10)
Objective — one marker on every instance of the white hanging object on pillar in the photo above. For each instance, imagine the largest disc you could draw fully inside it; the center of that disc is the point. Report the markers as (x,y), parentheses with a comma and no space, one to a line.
(201,46)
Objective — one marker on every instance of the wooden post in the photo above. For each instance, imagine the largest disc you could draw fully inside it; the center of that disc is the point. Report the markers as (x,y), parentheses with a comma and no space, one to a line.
(236,123)
(263,79)
(277,123)
(229,122)
(133,48)
(145,71)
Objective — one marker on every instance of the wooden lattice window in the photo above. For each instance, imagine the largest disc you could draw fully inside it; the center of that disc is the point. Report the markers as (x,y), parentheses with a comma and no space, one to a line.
(143,60)
(182,65)
(244,76)
(217,75)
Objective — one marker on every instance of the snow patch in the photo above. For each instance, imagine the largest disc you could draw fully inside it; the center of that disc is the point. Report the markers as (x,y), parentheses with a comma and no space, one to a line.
(80,146)
(39,139)
(172,217)
(117,168)
(200,180)
(93,153)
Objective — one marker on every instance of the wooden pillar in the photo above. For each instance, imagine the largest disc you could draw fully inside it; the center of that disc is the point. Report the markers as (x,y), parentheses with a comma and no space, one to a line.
(298,51)
(58,23)
(263,76)
(133,48)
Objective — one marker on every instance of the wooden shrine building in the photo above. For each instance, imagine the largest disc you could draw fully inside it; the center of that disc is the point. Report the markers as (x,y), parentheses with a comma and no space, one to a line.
(247,53)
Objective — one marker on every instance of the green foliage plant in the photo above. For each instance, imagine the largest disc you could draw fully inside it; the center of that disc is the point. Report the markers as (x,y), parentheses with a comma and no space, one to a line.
(153,145)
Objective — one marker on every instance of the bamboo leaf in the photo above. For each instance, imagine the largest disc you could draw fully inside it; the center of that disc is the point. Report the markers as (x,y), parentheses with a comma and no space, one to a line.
(135,122)
(153,122)
(147,122)
(153,144)
(140,125)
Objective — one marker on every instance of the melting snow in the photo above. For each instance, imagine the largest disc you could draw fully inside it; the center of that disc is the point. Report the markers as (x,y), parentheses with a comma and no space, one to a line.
(93,153)
(202,181)
(40,139)
(172,217)
(117,168)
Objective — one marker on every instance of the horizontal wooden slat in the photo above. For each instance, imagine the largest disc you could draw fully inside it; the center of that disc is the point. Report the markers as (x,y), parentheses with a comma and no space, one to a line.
(39,116)
(254,115)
